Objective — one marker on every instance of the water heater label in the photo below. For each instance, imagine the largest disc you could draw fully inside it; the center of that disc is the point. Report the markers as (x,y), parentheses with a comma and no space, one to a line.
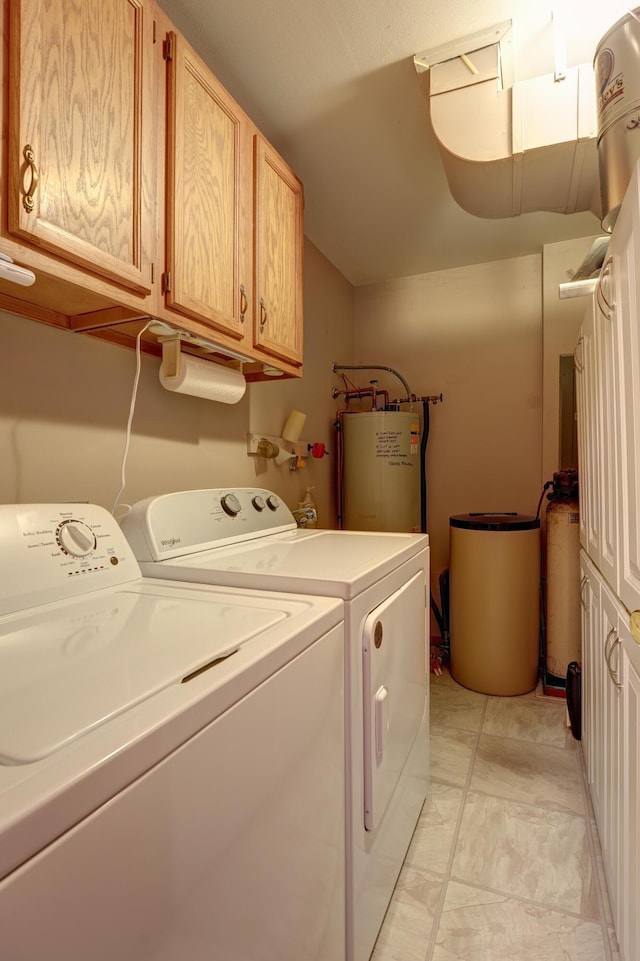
(389,443)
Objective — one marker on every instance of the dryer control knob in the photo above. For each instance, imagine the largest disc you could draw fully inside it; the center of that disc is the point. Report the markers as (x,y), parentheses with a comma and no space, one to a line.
(230,504)
(258,503)
(273,502)
(76,538)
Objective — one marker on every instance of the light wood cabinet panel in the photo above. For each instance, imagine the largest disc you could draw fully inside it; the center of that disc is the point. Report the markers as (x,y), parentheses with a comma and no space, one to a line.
(278,255)
(80,159)
(209,279)
(152,192)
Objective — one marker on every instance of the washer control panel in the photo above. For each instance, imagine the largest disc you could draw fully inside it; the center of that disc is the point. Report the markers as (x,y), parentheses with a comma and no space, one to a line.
(54,551)
(187,522)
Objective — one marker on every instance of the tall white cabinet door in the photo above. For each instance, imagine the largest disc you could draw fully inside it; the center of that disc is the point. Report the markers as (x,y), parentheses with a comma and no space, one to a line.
(590,478)
(591,668)
(611,772)
(627,240)
(581,410)
(607,335)
(629,930)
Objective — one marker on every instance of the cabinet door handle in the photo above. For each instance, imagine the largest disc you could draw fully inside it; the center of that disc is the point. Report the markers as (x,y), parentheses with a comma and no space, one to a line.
(613,673)
(30,157)
(263,314)
(577,358)
(606,305)
(612,635)
(243,303)
(609,637)
(583,584)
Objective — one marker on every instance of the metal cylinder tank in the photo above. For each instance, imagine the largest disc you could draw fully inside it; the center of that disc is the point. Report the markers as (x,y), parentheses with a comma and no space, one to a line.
(563,643)
(617,72)
(381,471)
(495,602)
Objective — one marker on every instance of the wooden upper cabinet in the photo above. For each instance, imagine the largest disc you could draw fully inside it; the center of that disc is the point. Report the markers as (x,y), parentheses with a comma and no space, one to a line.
(207,276)
(278,246)
(82,175)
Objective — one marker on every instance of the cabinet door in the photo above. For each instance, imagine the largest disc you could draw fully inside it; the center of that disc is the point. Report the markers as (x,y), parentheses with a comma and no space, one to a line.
(629,933)
(590,456)
(583,456)
(207,173)
(278,244)
(591,673)
(627,238)
(595,667)
(612,796)
(81,161)
(607,321)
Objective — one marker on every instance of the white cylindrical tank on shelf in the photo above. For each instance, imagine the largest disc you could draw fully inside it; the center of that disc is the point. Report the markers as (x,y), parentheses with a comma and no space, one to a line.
(563,643)
(381,471)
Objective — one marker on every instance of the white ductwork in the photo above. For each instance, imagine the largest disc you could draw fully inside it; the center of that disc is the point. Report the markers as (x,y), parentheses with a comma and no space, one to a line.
(512,148)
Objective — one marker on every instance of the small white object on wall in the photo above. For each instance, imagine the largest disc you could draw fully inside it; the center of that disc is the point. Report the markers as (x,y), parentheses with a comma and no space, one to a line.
(14,273)
(293,427)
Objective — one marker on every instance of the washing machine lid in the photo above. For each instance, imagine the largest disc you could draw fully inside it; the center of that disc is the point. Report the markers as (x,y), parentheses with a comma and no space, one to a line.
(84,637)
(331,563)
(67,668)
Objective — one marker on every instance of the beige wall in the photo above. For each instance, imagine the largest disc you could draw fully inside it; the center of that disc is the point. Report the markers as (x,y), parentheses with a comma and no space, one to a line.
(64,403)
(473,334)
(562,320)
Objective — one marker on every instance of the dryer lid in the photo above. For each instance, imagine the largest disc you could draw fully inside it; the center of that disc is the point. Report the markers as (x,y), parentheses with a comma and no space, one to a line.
(330,563)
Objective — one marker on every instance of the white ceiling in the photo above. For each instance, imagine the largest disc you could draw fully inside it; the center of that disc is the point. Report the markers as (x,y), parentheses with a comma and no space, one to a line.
(331,83)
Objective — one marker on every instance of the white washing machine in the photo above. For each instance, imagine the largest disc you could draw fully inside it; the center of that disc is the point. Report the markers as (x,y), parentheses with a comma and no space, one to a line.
(248,537)
(171,757)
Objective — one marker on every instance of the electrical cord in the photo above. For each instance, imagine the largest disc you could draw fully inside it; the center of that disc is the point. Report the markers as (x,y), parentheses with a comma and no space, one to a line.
(545,488)
(132,407)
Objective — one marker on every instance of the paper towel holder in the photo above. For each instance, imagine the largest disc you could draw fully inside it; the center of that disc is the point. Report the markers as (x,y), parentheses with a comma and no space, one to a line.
(172,354)
(167,334)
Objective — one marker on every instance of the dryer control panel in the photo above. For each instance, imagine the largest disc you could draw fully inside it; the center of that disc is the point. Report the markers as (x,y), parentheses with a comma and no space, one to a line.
(186,522)
(54,551)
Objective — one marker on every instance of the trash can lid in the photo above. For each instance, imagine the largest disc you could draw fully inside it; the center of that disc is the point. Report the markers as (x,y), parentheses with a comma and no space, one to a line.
(506,521)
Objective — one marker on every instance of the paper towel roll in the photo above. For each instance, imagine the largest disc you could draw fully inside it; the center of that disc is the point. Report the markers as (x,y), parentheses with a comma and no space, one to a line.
(202,378)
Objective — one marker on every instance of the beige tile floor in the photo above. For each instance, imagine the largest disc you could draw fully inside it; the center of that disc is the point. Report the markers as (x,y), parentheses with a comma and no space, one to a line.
(505,862)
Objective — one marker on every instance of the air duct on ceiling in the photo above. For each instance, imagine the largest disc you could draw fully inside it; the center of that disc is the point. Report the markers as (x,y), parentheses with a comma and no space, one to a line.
(511,148)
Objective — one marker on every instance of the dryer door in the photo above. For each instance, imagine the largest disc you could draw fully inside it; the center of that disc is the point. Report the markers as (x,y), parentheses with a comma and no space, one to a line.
(394,692)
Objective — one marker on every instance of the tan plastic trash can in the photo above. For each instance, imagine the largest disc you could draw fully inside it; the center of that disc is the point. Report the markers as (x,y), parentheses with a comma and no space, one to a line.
(495,602)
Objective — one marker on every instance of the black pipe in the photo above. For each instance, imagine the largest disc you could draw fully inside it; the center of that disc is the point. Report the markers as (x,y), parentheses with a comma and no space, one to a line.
(441,616)
(423,466)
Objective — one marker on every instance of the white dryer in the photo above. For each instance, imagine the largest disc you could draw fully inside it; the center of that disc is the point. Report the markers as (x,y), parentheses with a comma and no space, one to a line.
(248,537)
(171,757)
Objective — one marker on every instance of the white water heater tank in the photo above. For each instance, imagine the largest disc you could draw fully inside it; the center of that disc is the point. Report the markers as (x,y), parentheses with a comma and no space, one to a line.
(381,471)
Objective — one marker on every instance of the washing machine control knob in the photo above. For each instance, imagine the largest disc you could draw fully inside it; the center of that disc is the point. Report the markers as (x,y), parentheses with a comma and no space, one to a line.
(273,502)
(258,503)
(231,505)
(76,538)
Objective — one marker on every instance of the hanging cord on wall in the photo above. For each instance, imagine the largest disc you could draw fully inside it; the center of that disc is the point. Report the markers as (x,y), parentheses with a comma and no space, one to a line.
(132,408)
(545,488)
